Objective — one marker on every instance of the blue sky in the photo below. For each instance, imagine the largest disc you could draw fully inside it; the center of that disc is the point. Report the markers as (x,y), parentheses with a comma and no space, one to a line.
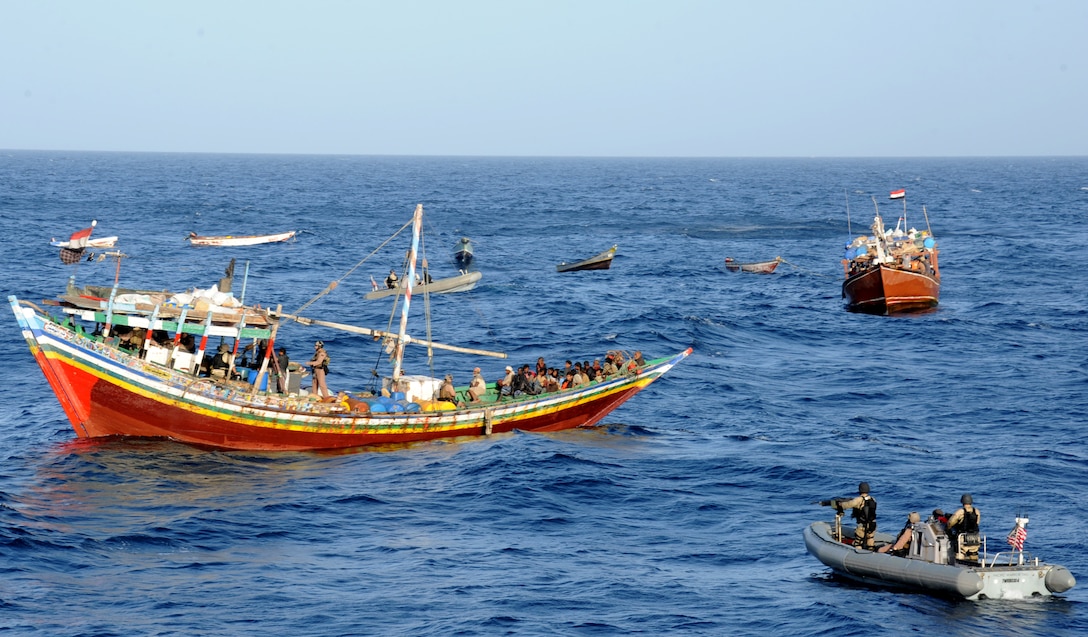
(687,78)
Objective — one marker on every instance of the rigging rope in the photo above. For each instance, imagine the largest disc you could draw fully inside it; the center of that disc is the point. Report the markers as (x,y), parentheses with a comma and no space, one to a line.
(332,286)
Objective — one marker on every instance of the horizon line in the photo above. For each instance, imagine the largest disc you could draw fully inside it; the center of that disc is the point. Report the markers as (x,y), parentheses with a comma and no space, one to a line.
(486,156)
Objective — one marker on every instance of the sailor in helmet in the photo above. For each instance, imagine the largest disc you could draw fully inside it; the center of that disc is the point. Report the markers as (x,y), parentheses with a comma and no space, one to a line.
(963,529)
(864,512)
(320,365)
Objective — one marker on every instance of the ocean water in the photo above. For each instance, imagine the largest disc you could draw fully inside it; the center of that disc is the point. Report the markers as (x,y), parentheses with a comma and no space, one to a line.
(681,513)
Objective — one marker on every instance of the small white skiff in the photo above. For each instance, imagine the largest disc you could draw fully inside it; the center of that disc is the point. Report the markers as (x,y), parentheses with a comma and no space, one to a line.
(460,283)
(239,240)
(101,242)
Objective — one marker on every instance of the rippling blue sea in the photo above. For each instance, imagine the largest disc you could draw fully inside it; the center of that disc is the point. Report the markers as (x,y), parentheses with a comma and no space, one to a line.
(681,514)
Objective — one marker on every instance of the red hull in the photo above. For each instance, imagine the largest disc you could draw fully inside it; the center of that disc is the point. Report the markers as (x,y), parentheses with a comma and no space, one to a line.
(102,408)
(107,392)
(888,290)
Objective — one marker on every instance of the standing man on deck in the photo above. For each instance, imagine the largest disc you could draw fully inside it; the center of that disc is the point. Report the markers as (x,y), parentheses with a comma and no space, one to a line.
(864,513)
(278,374)
(320,365)
(963,528)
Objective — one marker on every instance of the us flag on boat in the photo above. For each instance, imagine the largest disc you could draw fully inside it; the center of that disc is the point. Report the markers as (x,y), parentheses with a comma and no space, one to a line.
(73,252)
(1017,536)
(898,194)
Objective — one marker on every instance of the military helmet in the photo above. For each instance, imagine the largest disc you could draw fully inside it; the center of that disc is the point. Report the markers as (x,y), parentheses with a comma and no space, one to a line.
(863,487)
(966,499)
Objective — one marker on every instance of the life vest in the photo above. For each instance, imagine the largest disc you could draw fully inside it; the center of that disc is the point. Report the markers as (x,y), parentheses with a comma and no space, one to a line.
(865,515)
(969,523)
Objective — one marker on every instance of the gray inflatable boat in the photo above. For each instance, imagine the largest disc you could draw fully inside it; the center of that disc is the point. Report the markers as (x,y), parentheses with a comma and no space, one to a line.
(929,565)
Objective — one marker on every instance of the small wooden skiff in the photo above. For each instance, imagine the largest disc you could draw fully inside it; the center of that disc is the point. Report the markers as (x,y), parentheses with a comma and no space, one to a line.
(239,240)
(602,261)
(756,267)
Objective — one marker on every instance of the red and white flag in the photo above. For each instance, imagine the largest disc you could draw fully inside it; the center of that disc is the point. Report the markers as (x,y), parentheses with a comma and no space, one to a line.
(1017,536)
(73,252)
(898,194)
(79,239)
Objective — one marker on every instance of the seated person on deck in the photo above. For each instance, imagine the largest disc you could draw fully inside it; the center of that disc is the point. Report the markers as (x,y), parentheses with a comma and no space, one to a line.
(902,543)
(220,362)
(446,391)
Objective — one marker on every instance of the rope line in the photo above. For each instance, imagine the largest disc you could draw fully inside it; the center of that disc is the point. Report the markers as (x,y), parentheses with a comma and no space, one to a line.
(332,286)
(803,270)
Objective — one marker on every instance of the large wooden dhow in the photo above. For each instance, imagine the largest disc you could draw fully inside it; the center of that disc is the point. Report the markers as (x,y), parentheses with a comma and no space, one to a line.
(892,271)
(156,390)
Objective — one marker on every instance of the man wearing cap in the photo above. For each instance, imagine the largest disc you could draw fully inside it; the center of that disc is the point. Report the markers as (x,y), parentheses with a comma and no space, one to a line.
(963,529)
(864,513)
(902,543)
(505,384)
(477,387)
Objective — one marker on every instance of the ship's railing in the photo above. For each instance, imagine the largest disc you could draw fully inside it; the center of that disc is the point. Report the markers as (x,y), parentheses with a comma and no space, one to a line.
(1008,558)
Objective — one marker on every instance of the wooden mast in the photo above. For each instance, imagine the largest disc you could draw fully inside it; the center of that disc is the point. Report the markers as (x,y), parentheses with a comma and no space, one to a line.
(398,351)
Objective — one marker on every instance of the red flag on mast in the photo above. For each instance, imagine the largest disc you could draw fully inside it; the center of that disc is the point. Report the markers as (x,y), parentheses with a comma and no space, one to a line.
(898,194)
(73,252)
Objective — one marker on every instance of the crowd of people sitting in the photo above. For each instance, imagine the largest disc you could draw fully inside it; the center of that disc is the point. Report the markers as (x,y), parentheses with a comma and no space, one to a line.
(528,380)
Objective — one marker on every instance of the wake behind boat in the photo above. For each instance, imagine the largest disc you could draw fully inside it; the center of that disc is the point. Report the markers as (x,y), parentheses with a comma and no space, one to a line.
(893,270)
(601,261)
(232,240)
(119,366)
(929,565)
